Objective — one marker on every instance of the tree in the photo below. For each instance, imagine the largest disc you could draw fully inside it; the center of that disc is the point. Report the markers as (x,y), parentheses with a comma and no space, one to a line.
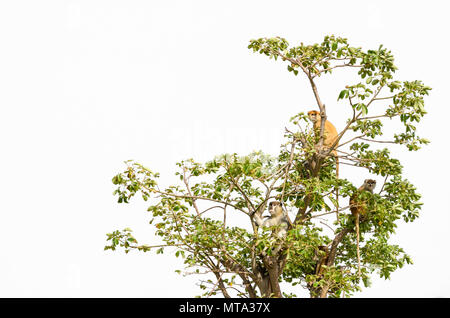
(319,250)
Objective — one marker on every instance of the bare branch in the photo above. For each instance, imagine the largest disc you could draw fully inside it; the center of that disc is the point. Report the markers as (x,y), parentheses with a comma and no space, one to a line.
(182,196)
(219,284)
(349,141)
(291,157)
(384,183)
(383,98)
(186,182)
(355,118)
(373,117)
(379,141)
(250,205)
(336,66)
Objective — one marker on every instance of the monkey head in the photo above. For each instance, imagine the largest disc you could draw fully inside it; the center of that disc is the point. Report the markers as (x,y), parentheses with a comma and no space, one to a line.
(369,185)
(314,116)
(275,208)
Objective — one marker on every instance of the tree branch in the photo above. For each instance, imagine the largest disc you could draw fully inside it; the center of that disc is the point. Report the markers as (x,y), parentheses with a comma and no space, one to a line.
(379,141)
(220,285)
(336,66)
(193,197)
(186,182)
(355,118)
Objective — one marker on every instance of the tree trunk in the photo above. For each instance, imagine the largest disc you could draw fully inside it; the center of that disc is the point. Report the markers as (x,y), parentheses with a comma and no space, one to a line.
(265,287)
(268,278)
(322,292)
(272,267)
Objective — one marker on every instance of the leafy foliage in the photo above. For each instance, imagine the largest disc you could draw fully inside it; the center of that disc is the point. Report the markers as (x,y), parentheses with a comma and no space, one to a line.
(193,218)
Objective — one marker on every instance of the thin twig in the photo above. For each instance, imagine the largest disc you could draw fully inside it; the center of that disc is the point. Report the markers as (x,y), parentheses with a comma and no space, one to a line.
(379,141)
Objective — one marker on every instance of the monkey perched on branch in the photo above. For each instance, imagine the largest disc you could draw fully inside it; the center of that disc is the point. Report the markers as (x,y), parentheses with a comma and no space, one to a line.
(277,217)
(330,136)
(322,260)
(330,132)
(359,211)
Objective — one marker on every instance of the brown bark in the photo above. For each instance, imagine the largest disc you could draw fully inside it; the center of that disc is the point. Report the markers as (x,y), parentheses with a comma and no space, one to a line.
(323,293)
(272,267)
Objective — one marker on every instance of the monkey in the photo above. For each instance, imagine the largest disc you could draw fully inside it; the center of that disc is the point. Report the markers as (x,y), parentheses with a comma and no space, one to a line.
(277,217)
(320,258)
(323,259)
(359,211)
(330,136)
(330,132)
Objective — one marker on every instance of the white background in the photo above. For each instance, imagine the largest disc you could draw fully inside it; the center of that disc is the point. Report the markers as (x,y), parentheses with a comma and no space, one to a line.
(85,85)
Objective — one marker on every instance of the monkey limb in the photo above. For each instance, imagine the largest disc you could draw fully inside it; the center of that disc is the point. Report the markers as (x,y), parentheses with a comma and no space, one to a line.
(330,136)
(359,210)
(358,255)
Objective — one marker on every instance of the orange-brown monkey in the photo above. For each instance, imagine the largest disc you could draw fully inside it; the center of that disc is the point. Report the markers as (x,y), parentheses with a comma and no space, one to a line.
(330,132)
(359,209)
(330,136)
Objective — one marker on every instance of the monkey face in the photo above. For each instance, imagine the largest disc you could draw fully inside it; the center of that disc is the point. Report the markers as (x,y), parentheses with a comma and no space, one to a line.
(314,115)
(370,184)
(274,207)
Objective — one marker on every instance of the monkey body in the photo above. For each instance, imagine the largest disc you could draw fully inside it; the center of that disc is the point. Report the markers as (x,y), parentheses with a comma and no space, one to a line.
(322,260)
(330,132)
(330,136)
(358,209)
(276,218)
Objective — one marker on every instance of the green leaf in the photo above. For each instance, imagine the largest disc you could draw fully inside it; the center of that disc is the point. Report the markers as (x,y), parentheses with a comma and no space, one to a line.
(364,110)
(342,94)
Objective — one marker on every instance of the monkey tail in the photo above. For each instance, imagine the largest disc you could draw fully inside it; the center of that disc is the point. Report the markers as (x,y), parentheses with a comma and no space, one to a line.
(337,187)
(357,244)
